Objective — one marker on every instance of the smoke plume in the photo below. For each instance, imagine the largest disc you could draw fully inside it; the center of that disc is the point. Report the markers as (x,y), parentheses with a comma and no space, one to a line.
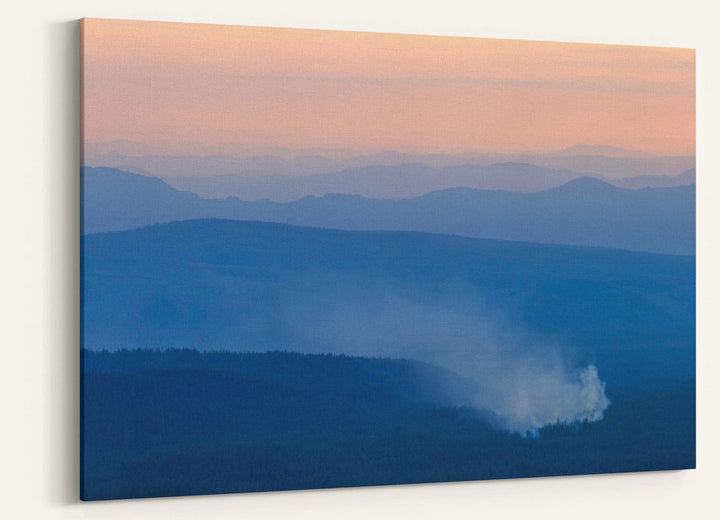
(523,379)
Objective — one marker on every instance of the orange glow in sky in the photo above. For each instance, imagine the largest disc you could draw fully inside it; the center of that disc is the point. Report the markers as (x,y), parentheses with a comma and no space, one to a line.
(160,83)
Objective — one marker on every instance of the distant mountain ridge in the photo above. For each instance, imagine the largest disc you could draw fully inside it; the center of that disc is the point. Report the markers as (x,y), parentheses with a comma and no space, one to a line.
(239,150)
(601,150)
(380,182)
(685,178)
(283,175)
(583,212)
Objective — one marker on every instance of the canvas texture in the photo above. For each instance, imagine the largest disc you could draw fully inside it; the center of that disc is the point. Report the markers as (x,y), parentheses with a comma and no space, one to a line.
(316,259)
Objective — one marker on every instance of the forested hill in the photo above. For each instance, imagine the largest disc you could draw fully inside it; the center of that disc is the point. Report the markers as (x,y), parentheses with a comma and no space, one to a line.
(168,423)
(335,376)
(228,285)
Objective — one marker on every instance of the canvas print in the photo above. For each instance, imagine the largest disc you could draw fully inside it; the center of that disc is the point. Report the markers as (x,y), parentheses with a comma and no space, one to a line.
(317,259)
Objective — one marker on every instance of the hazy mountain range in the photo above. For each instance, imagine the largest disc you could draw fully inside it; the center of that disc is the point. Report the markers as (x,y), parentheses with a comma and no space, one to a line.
(403,181)
(381,182)
(685,178)
(406,348)
(584,211)
(284,175)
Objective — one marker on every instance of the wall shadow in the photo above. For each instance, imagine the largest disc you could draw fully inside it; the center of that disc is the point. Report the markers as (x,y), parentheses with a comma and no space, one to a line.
(63,200)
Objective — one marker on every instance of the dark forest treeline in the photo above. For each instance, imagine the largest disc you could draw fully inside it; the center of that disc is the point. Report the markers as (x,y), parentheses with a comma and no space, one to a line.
(184,422)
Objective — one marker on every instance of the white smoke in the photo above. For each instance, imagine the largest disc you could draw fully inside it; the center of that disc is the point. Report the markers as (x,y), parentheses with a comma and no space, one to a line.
(525,380)
(528,398)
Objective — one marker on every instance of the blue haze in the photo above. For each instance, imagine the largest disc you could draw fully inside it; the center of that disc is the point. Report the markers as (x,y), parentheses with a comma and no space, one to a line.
(234,346)
(244,286)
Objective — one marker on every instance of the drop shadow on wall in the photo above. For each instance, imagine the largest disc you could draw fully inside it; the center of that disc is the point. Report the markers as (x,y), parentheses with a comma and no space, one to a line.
(62,48)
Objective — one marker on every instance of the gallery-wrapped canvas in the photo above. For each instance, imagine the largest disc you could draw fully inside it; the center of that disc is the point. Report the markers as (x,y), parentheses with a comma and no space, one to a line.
(316,259)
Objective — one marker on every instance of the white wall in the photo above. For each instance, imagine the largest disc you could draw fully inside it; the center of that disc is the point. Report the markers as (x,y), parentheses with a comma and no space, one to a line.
(39,275)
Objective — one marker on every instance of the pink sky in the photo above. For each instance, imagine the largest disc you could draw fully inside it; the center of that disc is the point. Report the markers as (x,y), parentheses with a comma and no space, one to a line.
(161,83)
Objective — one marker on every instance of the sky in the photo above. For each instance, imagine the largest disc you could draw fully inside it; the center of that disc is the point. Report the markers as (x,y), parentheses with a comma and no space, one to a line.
(193,86)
